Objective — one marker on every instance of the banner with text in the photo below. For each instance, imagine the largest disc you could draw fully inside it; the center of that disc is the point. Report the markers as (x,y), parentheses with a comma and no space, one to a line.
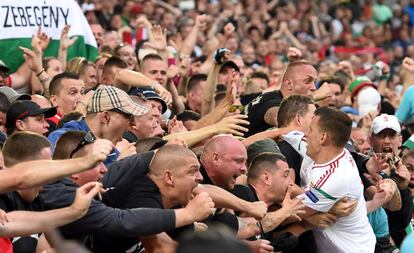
(20,19)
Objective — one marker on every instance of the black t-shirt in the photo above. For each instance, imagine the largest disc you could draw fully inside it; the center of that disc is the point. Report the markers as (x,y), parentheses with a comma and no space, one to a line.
(257,109)
(222,217)
(135,190)
(281,242)
(12,202)
(246,99)
(294,159)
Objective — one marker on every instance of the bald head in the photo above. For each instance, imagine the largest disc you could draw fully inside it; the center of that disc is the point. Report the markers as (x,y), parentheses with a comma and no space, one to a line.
(224,159)
(222,143)
(169,157)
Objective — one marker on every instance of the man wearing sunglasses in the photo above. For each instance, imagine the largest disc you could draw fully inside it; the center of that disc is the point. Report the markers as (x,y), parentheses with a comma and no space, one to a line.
(103,219)
(109,113)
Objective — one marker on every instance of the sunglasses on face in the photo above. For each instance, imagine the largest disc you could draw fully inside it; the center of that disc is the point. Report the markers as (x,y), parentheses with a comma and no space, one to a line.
(89,138)
(124,114)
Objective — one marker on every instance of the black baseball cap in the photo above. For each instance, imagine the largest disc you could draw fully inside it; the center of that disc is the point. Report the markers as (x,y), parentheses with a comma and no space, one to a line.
(26,108)
(148,93)
(229,65)
(3,67)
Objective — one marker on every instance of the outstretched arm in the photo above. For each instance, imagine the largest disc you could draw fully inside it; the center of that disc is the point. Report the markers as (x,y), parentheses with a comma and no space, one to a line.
(34,173)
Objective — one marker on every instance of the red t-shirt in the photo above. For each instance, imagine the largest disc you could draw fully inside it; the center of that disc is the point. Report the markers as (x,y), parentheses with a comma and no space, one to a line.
(5,245)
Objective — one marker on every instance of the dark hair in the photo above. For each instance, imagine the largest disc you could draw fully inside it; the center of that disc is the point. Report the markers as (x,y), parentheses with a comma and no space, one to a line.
(188,115)
(334,81)
(295,104)
(75,115)
(4,103)
(114,61)
(56,83)
(336,123)
(23,146)
(264,161)
(66,143)
(260,75)
(194,81)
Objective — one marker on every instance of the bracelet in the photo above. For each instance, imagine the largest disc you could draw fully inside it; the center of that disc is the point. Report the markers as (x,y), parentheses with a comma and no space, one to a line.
(41,71)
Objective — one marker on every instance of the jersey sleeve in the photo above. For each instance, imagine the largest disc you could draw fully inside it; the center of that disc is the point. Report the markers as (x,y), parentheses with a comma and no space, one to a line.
(324,194)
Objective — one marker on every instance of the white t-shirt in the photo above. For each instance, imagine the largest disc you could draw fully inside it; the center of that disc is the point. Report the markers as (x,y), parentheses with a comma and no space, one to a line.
(326,184)
(297,140)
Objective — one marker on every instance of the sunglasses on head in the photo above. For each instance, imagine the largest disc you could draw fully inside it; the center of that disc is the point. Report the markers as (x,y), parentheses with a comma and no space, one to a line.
(89,138)
(233,108)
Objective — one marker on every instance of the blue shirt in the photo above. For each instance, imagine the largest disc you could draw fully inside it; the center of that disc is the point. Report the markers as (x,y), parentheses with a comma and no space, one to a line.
(406,109)
(379,222)
(76,125)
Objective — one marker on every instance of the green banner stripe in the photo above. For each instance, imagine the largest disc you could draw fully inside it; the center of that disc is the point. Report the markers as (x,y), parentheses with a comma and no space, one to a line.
(326,195)
(13,56)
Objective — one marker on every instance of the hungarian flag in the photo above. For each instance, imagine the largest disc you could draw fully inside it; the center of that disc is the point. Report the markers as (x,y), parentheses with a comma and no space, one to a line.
(19,20)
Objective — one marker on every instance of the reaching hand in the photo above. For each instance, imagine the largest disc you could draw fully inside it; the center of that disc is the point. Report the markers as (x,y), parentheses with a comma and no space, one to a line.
(344,207)
(384,193)
(294,207)
(125,148)
(142,21)
(408,64)
(180,141)
(172,71)
(101,148)
(257,210)
(260,246)
(43,39)
(65,42)
(200,207)
(202,21)
(321,220)
(403,174)
(176,126)
(84,196)
(376,164)
(185,66)
(229,30)
(33,60)
(231,89)
(323,92)
(163,92)
(347,68)
(294,54)
(158,39)
(232,124)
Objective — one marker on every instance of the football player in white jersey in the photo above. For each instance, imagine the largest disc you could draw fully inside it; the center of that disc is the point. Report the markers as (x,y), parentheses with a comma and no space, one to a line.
(332,176)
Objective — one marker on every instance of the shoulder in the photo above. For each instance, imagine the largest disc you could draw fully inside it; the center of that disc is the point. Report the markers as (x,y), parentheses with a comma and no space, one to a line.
(244,192)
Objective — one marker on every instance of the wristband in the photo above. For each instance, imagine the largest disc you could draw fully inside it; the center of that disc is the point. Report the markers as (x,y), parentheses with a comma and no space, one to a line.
(219,55)
(41,71)
(385,76)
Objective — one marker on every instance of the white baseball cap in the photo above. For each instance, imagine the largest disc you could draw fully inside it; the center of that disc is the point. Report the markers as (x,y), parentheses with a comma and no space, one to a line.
(368,100)
(384,121)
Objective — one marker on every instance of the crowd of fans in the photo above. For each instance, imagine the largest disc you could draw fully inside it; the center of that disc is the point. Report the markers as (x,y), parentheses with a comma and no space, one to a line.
(214,126)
